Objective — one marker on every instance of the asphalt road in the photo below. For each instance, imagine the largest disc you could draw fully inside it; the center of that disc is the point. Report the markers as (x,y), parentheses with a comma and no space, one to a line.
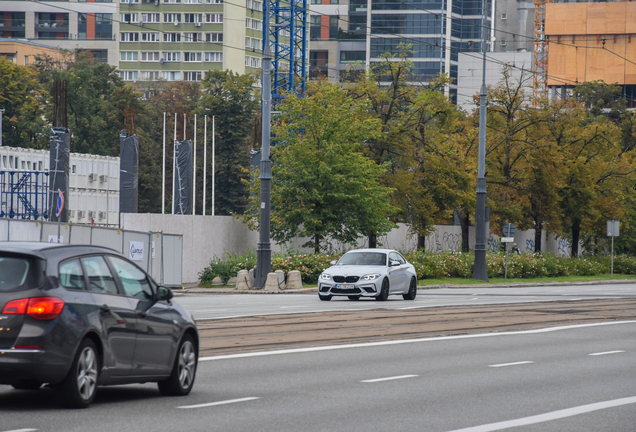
(218,306)
(563,379)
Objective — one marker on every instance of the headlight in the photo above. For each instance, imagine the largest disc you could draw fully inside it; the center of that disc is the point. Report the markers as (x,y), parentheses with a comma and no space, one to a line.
(325,276)
(373,276)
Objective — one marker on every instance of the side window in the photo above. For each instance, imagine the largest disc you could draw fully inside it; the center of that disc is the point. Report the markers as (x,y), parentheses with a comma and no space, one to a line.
(71,275)
(100,278)
(133,280)
(401,259)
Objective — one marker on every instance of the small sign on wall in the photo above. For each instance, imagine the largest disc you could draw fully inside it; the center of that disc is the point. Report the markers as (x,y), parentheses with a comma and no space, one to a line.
(136,251)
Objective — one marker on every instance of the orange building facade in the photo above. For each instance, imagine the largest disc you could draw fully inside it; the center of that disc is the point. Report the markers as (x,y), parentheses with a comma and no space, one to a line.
(591,41)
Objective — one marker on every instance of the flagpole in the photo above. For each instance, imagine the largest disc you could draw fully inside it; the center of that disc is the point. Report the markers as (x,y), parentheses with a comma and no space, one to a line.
(163,170)
(205,150)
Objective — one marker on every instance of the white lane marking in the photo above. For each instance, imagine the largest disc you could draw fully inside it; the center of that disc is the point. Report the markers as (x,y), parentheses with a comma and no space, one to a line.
(606,352)
(554,415)
(389,378)
(292,307)
(218,403)
(511,364)
(408,341)
(23,430)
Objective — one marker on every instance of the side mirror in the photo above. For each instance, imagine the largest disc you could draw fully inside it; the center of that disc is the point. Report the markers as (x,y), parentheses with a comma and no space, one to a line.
(393,263)
(164,293)
(333,263)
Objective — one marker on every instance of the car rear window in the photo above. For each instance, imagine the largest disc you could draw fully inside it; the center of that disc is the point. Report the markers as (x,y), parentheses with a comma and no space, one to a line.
(17,272)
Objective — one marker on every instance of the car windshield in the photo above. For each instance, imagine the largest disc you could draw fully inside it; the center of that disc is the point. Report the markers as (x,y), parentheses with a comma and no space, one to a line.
(363,258)
(14,272)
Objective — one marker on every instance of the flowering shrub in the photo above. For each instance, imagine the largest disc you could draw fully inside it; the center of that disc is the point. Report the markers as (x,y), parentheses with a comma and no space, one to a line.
(434,265)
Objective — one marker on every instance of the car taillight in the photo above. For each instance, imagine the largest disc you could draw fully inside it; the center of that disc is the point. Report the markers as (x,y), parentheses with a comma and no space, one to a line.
(40,308)
(16,307)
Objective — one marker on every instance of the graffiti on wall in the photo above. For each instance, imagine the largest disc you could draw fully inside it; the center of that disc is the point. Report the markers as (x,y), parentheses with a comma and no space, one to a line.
(494,244)
(530,245)
(447,241)
(564,249)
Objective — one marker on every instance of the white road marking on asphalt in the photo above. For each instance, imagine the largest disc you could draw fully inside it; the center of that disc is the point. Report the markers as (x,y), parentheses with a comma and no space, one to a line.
(554,415)
(389,378)
(218,403)
(607,352)
(292,307)
(511,364)
(23,430)
(408,341)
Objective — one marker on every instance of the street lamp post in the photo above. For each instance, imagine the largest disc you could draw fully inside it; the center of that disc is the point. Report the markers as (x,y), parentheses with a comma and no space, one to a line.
(479,268)
(264,251)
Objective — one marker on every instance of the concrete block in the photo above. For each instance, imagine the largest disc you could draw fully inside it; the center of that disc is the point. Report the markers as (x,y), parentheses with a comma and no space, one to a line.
(242,280)
(271,284)
(281,278)
(250,278)
(232,281)
(294,280)
(217,281)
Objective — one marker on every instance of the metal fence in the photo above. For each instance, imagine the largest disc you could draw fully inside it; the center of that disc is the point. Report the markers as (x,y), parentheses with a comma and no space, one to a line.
(24,194)
(160,254)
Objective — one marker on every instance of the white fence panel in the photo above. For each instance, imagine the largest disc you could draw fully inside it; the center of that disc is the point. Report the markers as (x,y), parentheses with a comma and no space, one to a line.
(49,233)
(172,259)
(80,234)
(24,231)
(137,248)
(108,237)
(4,230)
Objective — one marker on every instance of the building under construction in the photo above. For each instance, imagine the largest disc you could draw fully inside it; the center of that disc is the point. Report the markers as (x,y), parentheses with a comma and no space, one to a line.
(589,42)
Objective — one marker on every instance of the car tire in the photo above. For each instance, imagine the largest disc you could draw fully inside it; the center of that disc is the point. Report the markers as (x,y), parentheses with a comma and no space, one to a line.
(354,297)
(184,370)
(412,290)
(27,385)
(324,298)
(384,291)
(80,385)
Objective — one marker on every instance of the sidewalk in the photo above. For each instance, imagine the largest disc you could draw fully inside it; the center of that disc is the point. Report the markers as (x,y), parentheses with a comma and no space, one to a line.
(195,289)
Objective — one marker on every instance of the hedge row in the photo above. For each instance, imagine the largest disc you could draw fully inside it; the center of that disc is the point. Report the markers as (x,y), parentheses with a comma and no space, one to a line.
(435,265)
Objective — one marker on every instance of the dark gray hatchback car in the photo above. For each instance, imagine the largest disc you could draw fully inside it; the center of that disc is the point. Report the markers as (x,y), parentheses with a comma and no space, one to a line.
(77,317)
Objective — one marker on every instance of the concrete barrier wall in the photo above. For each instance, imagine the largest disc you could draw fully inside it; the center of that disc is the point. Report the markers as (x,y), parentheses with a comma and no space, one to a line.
(207,237)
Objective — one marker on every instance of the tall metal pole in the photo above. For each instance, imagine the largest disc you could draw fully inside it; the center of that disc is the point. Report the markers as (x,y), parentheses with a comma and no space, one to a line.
(1,112)
(163,169)
(194,167)
(213,166)
(205,156)
(174,159)
(264,252)
(479,268)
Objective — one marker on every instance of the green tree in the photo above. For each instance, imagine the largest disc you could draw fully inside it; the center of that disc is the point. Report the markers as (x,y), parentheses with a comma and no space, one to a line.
(22,98)
(323,185)
(229,97)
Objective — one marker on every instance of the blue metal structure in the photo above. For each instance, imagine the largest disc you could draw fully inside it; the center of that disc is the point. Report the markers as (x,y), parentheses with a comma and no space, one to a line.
(24,194)
(288,35)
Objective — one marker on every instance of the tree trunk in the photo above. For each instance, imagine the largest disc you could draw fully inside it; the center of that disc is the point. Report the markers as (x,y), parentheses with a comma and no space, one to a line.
(317,243)
(576,231)
(537,238)
(465,224)
(373,241)
(421,242)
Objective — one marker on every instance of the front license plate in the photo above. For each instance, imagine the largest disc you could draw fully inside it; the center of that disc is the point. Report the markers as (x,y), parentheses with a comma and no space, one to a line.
(345,286)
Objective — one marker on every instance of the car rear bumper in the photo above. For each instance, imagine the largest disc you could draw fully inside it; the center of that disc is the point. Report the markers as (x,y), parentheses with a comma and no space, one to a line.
(31,364)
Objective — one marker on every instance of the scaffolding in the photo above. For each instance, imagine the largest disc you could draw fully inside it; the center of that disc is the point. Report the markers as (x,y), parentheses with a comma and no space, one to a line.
(540,57)
(288,38)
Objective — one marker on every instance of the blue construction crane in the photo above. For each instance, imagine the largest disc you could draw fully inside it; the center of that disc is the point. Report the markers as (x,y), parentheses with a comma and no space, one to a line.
(288,22)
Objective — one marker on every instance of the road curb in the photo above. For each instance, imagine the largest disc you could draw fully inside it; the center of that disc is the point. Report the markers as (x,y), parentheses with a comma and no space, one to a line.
(198,290)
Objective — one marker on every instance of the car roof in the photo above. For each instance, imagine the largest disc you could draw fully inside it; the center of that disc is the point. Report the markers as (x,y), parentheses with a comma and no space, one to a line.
(41,249)
(372,250)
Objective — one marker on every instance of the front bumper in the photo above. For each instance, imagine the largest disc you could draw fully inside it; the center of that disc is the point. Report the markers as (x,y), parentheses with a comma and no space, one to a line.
(361,288)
